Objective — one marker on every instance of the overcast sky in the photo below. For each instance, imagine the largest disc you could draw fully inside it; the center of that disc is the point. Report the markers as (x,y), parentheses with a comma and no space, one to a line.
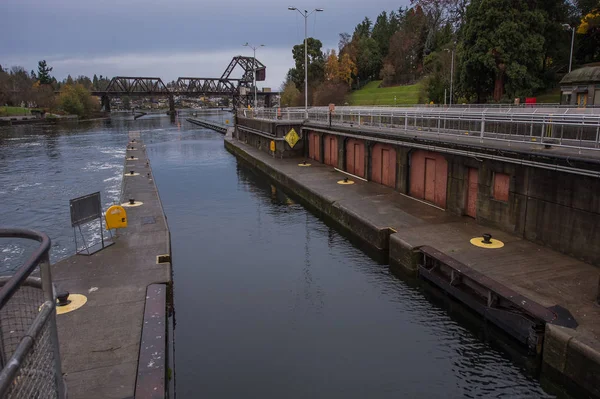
(168,38)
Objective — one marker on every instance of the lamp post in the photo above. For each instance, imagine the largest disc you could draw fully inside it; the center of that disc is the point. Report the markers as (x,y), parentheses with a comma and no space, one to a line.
(567,26)
(451,75)
(254,70)
(305,14)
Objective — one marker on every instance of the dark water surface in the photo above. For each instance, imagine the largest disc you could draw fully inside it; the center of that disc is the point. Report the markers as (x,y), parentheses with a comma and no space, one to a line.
(270,301)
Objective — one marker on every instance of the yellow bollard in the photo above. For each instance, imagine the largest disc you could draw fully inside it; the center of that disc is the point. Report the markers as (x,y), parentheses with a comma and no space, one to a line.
(116,217)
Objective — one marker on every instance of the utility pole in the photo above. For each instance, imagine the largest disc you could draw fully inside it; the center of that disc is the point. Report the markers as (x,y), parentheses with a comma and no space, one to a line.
(305,14)
(567,26)
(254,71)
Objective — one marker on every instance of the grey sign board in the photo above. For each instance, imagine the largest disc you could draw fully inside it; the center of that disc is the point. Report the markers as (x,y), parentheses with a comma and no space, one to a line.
(85,209)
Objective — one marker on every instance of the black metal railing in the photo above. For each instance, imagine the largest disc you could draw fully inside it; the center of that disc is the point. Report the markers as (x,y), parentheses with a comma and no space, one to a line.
(29,348)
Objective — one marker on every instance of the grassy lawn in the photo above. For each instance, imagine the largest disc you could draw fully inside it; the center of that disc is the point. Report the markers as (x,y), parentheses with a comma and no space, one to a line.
(13,111)
(371,94)
(552,96)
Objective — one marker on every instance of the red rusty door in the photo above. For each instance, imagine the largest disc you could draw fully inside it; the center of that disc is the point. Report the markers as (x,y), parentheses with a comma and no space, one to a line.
(429,177)
(385,167)
(430,180)
(472,190)
(355,157)
(330,150)
(313,146)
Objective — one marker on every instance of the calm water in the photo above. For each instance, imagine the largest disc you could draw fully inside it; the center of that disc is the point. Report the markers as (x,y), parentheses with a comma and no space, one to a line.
(270,301)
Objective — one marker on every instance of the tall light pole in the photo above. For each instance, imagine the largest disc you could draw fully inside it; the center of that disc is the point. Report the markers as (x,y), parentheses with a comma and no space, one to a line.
(254,69)
(567,26)
(451,75)
(305,14)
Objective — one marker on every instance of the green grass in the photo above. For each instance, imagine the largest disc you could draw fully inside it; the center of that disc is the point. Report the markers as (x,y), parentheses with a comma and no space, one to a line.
(372,94)
(13,111)
(551,96)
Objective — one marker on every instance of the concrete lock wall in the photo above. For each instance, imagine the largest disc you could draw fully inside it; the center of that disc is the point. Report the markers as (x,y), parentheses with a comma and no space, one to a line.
(552,208)
(556,209)
(259,133)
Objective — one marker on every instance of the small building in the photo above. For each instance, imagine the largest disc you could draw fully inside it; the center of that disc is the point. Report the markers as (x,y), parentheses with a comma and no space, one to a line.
(581,87)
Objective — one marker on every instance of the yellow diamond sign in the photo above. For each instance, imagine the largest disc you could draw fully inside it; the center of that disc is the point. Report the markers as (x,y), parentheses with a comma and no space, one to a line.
(292,137)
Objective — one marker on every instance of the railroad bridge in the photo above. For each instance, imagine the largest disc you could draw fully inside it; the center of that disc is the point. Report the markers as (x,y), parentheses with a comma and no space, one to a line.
(239,89)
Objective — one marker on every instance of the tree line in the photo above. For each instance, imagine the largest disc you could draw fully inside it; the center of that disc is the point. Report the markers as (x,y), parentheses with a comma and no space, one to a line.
(41,90)
(502,49)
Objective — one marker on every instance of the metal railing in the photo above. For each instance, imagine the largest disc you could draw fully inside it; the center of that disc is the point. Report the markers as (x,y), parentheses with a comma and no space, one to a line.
(29,349)
(568,127)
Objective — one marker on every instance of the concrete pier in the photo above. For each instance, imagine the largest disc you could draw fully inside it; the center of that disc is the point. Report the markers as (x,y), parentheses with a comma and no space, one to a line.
(120,335)
(216,126)
(390,221)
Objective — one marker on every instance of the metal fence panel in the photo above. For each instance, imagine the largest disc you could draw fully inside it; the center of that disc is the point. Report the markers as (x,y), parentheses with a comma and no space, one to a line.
(85,209)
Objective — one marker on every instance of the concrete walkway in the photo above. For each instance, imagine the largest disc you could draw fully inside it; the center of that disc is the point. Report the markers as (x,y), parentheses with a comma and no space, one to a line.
(534,271)
(100,342)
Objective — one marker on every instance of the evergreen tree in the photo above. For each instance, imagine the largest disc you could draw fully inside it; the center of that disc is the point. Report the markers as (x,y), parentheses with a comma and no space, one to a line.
(95,82)
(502,49)
(44,73)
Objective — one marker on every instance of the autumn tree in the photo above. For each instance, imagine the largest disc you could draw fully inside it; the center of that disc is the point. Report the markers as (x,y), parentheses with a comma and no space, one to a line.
(290,96)
(404,62)
(332,69)
(77,100)
(589,33)
(346,69)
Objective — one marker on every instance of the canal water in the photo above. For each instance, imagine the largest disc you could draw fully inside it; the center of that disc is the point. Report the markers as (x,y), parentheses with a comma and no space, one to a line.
(270,301)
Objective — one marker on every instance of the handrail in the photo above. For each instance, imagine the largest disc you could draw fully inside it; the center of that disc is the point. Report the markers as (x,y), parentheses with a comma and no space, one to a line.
(575,129)
(29,353)
(8,289)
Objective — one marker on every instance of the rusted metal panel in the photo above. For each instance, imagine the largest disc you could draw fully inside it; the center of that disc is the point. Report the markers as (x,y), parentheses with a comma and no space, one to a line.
(330,150)
(501,186)
(383,165)
(355,157)
(313,146)
(151,379)
(429,183)
(472,191)
(430,179)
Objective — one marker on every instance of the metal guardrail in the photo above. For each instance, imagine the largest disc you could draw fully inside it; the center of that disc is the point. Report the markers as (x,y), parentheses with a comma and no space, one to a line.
(29,348)
(569,127)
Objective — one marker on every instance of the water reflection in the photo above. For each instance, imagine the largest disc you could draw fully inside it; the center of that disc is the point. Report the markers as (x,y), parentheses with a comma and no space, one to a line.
(272,302)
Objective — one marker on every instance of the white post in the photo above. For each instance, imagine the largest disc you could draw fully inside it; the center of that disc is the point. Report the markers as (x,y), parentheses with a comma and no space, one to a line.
(254,76)
(572,43)
(305,64)
(451,77)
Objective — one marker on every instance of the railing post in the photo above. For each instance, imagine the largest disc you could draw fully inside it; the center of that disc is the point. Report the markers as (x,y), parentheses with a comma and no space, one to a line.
(358,118)
(406,121)
(482,126)
(49,295)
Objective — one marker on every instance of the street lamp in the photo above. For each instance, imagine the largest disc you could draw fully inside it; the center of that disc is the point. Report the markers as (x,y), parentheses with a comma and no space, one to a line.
(567,26)
(451,74)
(305,14)
(254,70)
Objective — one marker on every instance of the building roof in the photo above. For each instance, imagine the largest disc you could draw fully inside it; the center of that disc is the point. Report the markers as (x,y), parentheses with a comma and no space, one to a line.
(582,75)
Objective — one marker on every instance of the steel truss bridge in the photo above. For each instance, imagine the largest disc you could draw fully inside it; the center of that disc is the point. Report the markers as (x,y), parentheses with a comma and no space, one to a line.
(239,89)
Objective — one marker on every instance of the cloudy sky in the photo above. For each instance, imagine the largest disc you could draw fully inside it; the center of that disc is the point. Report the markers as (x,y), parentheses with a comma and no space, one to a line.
(168,38)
